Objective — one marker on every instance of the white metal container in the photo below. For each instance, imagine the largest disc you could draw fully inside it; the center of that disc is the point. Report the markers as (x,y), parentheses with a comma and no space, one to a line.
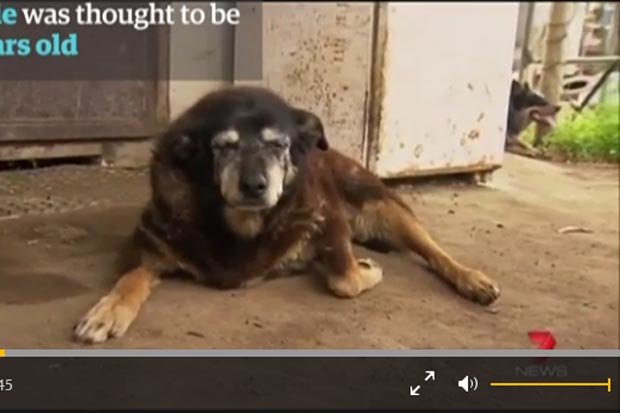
(445,82)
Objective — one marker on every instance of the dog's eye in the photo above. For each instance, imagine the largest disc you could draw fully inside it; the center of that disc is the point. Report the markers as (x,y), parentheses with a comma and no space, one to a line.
(280,145)
(226,146)
(231,145)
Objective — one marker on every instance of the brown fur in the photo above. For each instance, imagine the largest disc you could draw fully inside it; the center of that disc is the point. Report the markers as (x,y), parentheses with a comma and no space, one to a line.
(333,202)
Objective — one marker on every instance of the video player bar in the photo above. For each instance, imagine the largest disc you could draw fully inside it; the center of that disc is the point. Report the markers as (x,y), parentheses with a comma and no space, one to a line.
(43,384)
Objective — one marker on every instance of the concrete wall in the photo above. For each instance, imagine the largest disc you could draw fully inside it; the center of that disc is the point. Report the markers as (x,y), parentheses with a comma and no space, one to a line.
(201,60)
(319,57)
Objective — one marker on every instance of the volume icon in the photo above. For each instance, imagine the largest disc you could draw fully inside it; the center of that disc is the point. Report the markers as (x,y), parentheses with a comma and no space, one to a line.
(468,383)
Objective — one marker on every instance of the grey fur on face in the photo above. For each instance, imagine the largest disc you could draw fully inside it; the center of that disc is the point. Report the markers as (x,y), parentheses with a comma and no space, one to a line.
(252,170)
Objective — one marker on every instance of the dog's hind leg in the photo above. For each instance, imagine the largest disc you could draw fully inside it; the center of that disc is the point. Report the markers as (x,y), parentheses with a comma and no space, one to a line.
(388,219)
(116,311)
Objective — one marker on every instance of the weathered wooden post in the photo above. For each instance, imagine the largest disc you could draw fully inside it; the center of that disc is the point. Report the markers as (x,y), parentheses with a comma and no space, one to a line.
(552,73)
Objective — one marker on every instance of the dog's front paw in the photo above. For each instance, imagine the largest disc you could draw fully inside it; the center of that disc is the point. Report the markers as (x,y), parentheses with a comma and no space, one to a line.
(478,287)
(523,149)
(110,317)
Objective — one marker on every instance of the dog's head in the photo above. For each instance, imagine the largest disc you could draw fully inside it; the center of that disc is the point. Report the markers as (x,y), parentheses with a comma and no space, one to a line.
(246,144)
(531,106)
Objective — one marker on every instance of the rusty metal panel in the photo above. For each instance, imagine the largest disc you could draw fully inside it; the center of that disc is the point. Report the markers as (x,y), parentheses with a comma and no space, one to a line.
(318,55)
(57,110)
(445,83)
(127,102)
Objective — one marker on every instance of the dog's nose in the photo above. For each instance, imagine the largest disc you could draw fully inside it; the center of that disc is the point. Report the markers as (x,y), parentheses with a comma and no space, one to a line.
(254,185)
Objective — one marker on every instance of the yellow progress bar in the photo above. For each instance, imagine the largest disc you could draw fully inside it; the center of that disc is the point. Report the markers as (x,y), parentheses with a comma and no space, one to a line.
(543,384)
(2,353)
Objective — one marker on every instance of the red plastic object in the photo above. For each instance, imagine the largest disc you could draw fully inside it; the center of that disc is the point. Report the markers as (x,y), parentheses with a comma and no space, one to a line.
(544,339)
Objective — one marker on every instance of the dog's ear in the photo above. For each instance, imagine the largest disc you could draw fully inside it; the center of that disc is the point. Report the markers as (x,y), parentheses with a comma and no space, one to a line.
(310,129)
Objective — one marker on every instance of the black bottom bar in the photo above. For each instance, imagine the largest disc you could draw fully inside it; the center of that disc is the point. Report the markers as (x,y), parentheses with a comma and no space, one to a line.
(305,384)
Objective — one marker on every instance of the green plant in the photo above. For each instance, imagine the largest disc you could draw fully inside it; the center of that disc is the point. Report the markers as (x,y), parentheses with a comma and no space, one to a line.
(593,135)
(590,136)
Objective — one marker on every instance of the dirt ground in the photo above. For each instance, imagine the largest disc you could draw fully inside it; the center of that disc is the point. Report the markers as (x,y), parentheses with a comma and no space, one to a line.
(60,228)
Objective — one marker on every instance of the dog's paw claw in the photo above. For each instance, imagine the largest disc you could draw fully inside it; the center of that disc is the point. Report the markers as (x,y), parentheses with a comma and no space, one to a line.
(108,318)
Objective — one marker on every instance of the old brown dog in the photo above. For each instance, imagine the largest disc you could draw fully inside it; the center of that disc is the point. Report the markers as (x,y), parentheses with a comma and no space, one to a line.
(245,187)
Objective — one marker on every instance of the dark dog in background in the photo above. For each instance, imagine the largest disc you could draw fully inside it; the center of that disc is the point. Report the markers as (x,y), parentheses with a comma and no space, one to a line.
(244,187)
(525,107)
